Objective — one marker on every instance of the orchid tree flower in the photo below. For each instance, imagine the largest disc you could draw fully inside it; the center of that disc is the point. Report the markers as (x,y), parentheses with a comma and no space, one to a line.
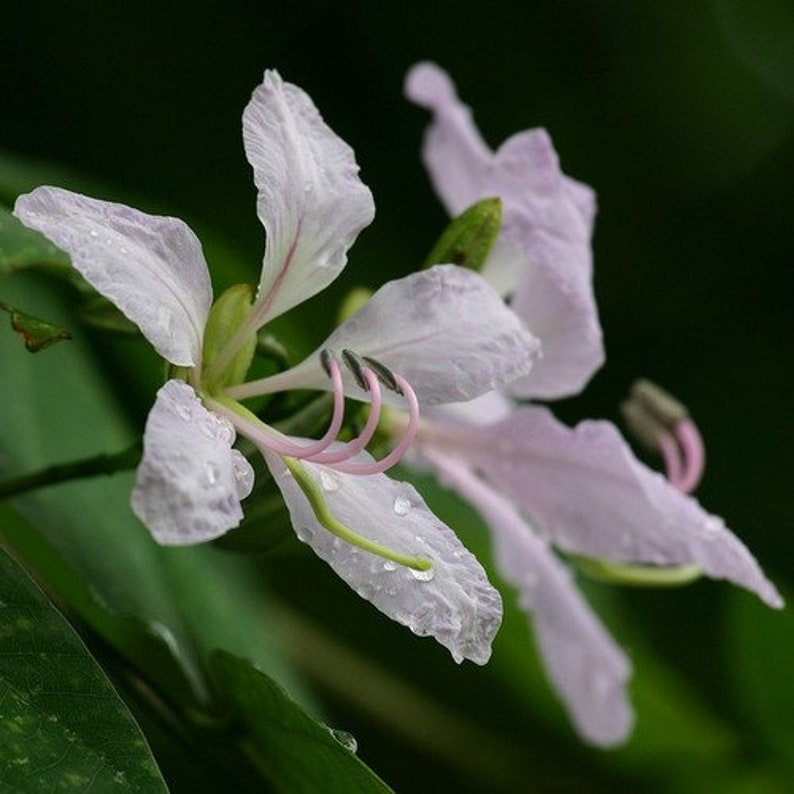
(537,483)
(439,335)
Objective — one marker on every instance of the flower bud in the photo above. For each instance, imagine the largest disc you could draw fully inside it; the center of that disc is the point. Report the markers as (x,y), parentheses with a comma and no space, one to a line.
(468,240)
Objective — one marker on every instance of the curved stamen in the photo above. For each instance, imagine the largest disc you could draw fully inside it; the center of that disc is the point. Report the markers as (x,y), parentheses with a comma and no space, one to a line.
(691,442)
(261,434)
(671,454)
(663,424)
(379,466)
(355,446)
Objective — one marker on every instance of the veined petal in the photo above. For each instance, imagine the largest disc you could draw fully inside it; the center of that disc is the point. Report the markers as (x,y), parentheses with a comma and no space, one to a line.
(542,257)
(453,602)
(310,198)
(190,482)
(584,490)
(151,267)
(454,152)
(445,330)
(588,670)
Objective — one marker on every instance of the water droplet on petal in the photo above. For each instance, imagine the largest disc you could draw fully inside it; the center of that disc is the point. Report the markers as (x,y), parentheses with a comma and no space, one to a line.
(423,576)
(366,591)
(328,481)
(305,534)
(401,505)
(389,566)
(94,233)
(243,475)
(212,473)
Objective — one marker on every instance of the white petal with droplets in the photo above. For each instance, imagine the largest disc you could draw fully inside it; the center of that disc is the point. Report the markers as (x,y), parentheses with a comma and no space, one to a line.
(445,330)
(151,267)
(453,602)
(191,481)
(310,201)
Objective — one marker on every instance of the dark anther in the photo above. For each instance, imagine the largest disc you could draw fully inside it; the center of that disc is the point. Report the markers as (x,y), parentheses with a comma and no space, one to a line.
(385,375)
(353,363)
(326,357)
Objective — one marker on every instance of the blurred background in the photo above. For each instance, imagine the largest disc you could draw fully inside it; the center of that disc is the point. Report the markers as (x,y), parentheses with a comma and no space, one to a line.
(681,116)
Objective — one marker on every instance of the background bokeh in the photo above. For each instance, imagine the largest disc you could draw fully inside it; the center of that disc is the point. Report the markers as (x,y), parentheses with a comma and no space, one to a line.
(681,116)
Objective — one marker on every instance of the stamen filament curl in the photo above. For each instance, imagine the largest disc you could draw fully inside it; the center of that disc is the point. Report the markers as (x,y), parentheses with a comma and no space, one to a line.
(325,518)
(378,466)
(252,427)
(355,446)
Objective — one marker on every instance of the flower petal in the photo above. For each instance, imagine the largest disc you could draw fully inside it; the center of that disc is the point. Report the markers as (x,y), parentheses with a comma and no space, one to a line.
(310,201)
(584,490)
(452,602)
(454,152)
(190,482)
(542,257)
(150,266)
(588,670)
(444,330)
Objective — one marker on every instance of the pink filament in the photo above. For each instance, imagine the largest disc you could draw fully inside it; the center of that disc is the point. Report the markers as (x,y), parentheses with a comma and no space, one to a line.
(379,466)
(671,453)
(357,444)
(271,439)
(691,443)
(684,455)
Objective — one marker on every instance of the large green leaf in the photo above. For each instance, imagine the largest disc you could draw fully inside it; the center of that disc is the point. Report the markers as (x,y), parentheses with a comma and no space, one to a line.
(292,750)
(62,726)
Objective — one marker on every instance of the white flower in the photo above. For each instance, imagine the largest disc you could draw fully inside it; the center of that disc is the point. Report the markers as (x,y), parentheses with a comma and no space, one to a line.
(438,335)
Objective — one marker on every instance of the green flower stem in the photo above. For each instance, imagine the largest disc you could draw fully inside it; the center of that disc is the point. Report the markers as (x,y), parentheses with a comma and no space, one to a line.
(75,470)
(323,515)
(637,575)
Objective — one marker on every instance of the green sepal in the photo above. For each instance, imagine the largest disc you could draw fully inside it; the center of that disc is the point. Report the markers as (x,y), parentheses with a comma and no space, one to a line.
(227,314)
(468,239)
(630,575)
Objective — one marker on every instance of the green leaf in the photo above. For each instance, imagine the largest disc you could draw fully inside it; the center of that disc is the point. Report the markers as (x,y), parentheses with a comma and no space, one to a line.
(62,725)
(294,752)
(36,334)
(21,248)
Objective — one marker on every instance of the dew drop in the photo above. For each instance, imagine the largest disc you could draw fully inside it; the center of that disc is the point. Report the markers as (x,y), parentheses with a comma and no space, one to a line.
(305,534)
(94,233)
(328,481)
(423,576)
(402,505)
(389,566)
(347,740)
(366,591)
(212,472)
(244,476)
